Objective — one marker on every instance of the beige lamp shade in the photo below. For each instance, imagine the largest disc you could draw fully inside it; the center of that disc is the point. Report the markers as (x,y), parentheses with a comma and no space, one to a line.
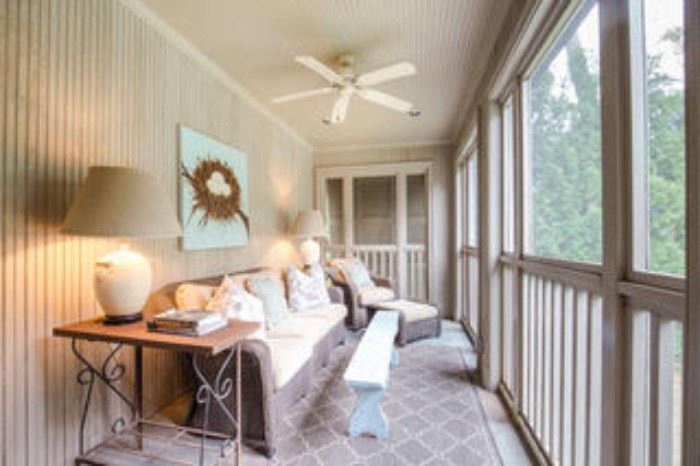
(309,224)
(121,202)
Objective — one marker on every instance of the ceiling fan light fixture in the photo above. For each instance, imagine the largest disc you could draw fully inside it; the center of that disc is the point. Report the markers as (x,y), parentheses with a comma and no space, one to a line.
(414,112)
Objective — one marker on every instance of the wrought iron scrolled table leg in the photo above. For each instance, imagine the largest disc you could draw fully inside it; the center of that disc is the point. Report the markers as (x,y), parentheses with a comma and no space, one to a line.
(217,392)
(109,373)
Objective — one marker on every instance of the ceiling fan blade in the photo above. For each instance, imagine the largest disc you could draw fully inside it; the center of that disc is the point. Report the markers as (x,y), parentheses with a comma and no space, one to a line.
(398,70)
(319,68)
(340,107)
(301,95)
(386,100)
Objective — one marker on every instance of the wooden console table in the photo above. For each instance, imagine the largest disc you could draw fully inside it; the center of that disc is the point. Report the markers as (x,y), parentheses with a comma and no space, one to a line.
(137,335)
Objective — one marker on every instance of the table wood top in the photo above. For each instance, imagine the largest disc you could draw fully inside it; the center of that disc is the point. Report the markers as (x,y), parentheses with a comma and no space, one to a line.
(137,334)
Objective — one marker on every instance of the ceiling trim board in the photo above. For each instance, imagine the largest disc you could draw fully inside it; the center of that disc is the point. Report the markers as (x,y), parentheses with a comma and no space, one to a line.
(143,11)
(395,145)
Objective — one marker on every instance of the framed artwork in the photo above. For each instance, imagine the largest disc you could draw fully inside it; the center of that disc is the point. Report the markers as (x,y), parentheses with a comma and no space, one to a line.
(213,192)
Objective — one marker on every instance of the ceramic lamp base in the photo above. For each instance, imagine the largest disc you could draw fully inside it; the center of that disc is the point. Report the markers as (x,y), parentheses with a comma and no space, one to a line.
(310,252)
(122,285)
(119,320)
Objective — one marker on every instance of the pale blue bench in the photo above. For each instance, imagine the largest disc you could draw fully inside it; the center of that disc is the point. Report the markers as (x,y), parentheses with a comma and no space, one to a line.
(368,374)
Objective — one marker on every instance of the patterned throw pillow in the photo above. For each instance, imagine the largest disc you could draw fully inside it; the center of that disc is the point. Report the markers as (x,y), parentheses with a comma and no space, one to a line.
(236,303)
(306,290)
(271,292)
(193,295)
(355,272)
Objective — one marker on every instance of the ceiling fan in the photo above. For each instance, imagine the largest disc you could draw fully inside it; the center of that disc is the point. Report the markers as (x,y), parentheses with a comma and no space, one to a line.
(346,83)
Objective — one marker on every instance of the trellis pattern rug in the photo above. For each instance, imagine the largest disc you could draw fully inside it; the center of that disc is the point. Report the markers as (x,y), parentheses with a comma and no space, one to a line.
(434,413)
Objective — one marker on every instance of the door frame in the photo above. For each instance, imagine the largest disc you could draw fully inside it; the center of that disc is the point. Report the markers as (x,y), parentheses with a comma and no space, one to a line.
(400,170)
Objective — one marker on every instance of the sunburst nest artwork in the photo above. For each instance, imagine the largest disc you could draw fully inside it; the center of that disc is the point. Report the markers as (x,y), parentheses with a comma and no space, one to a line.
(214,192)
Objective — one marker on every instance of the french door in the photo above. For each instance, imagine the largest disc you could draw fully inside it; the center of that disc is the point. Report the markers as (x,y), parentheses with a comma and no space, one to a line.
(467,285)
(381,214)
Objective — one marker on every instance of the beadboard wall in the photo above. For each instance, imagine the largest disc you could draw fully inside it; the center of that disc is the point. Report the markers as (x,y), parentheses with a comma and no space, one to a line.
(441,157)
(86,82)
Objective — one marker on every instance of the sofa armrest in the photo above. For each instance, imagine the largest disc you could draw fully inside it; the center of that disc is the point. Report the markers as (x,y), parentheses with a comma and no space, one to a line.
(383,281)
(336,294)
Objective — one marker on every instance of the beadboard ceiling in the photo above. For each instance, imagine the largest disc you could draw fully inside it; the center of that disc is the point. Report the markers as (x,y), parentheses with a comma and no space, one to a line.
(254,41)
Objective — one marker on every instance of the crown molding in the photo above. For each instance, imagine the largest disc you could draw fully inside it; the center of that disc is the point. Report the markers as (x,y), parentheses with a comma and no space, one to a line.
(182,43)
(389,146)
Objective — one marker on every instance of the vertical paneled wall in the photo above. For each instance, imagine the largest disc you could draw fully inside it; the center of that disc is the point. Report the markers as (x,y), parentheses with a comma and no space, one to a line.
(86,82)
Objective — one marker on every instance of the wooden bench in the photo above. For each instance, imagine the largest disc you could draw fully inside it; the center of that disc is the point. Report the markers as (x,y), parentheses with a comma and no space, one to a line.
(368,374)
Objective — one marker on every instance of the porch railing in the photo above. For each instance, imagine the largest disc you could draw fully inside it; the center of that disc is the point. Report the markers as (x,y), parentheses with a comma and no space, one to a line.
(384,260)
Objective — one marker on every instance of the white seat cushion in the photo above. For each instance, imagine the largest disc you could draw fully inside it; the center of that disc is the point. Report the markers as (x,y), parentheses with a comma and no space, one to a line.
(287,355)
(411,310)
(309,329)
(331,313)
(375,294)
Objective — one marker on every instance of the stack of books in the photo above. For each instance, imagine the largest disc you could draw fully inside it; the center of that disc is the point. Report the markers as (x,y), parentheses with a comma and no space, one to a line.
(192,322)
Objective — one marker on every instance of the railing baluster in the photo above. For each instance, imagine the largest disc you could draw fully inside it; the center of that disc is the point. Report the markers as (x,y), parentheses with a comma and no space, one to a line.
(654,390)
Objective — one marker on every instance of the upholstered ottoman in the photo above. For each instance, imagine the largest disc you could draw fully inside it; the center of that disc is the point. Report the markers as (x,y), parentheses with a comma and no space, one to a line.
(416,320)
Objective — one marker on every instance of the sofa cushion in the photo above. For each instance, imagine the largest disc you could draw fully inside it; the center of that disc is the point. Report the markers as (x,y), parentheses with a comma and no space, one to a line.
(271,293)
(331,313)
(375,294)
(193,295)
(287,356)
(306,290)
(295,326)
(412,310)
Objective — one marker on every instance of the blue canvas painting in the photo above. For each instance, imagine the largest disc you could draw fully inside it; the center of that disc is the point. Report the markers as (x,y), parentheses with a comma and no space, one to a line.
(213,193)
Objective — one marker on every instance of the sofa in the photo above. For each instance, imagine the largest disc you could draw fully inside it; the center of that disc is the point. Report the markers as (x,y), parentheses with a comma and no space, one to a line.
(277,371)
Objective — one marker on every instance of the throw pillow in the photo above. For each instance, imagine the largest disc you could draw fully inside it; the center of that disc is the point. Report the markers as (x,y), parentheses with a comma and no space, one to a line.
(193,296)
(235,303)
(271,293)
(306,290)
(355,272)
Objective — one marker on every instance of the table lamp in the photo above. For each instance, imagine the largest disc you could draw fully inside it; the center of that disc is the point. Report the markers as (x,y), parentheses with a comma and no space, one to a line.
(307,226)
(120,202)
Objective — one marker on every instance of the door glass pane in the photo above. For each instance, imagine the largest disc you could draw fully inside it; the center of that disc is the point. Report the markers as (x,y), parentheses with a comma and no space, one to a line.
(416,209)
(508,190)
(662,151)
(473,204)
(374,210)
(563,215)
(335,210)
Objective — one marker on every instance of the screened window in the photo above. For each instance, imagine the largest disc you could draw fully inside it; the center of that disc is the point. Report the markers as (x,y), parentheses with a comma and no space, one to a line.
(335,210)
(563,214)
(659,136)
(374,210)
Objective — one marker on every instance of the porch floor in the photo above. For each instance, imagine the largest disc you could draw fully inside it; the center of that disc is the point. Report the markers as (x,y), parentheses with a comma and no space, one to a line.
(436,416)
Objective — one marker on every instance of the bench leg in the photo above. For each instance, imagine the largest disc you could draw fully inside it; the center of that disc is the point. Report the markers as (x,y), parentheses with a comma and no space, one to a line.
(368,417)
(394,357)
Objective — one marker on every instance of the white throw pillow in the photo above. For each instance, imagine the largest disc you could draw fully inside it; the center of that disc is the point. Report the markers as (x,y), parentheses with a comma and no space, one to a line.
(234,302)
(307,290)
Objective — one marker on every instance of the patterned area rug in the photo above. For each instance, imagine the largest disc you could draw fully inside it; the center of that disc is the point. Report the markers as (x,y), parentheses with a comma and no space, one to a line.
(434,417)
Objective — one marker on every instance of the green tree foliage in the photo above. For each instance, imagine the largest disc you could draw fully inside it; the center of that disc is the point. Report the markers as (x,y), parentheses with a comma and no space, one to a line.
(666,120)
(565,217)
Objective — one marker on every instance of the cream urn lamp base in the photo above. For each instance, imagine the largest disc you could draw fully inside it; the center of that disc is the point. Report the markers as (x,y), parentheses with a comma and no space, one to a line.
(122,285)
(310,252)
